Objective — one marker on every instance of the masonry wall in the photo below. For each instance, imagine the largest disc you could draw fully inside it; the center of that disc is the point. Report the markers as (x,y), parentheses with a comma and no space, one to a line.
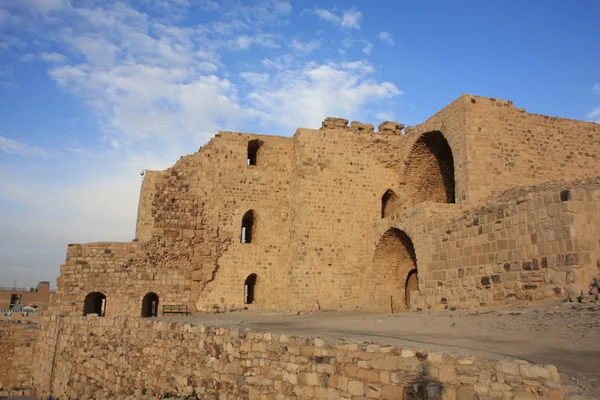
(529,248)
(508,147)
(16,352)
(317,203)
(40,296)
(104,357)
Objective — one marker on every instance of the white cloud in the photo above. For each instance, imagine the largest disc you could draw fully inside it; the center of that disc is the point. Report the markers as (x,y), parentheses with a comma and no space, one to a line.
(27,57)
(594,115)
(10,146)
(52,57)
(306,47)
(351,19)
(6,77)
(386,37)
(348,18)
(367,47)
(255,78)
(385,115)
(160,88)
(306,95)
(351,42)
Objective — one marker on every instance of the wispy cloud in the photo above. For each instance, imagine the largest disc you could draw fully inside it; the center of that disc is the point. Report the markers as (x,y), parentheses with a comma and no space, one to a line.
(10,146)
(159,86)
(386,37)
(350,19)
(594,115)
(306,93)
(367,47)
(52,57)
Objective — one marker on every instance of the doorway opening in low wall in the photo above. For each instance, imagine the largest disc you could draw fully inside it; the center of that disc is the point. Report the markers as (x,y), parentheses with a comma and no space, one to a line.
(95,303)
(388,203)
(150,305)
(249,289)
(394,271)
(412,285)
(429,175)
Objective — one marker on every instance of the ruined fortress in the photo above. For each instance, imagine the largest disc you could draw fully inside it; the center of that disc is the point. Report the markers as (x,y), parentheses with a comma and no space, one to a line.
(481,204)
(452,213)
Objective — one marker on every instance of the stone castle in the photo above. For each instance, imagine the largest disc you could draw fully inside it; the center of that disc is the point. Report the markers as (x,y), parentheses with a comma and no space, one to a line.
(482,204)
(456,212)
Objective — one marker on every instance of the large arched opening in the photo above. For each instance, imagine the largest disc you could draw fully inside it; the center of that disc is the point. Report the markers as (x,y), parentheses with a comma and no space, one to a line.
(394,265)
(94,303)
(250,289)
(150,305)
(429,172)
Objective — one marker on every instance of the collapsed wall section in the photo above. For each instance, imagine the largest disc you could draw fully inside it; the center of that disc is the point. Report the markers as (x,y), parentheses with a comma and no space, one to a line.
(103,358)
(245,184)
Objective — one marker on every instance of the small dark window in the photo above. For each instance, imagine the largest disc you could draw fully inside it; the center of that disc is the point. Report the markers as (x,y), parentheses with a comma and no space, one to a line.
(253,147)
(15,301)
(388,201)
(150,305)
(95,303)
(249,289)
(248,222)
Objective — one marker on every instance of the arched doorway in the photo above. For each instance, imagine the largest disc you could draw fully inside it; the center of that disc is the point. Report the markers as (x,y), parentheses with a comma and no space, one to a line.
(249,289)
(150,305)
(95,303)
(394,261)
(412,285)
(429,174)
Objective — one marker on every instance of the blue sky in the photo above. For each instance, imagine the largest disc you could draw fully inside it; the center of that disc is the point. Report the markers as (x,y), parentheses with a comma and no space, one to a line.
(92,92)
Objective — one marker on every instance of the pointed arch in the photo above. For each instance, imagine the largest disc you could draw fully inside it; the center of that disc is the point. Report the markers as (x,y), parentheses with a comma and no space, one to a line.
(394,262)
(94,303)
(150,305)
(388,203)
(429,174)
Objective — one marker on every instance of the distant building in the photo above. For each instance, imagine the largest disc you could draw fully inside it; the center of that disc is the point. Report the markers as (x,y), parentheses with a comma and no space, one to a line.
(17,298)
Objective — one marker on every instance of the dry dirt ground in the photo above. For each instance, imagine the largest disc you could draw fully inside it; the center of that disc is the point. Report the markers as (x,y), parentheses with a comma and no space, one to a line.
(566,335)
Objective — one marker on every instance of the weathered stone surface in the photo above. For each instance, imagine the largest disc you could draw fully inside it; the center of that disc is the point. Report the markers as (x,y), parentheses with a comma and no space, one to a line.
(177,359)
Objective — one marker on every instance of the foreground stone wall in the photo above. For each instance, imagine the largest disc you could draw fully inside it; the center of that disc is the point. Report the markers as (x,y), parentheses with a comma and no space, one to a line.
(82,358)
(16,356)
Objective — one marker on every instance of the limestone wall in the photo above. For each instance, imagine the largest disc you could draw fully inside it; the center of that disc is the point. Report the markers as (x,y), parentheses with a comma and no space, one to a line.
(16,355)
(528,248)
(102,357)
(323,200)
(508,147)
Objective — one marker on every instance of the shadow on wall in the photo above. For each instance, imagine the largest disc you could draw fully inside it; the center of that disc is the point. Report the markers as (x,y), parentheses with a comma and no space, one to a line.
(394,273)
(429,174)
